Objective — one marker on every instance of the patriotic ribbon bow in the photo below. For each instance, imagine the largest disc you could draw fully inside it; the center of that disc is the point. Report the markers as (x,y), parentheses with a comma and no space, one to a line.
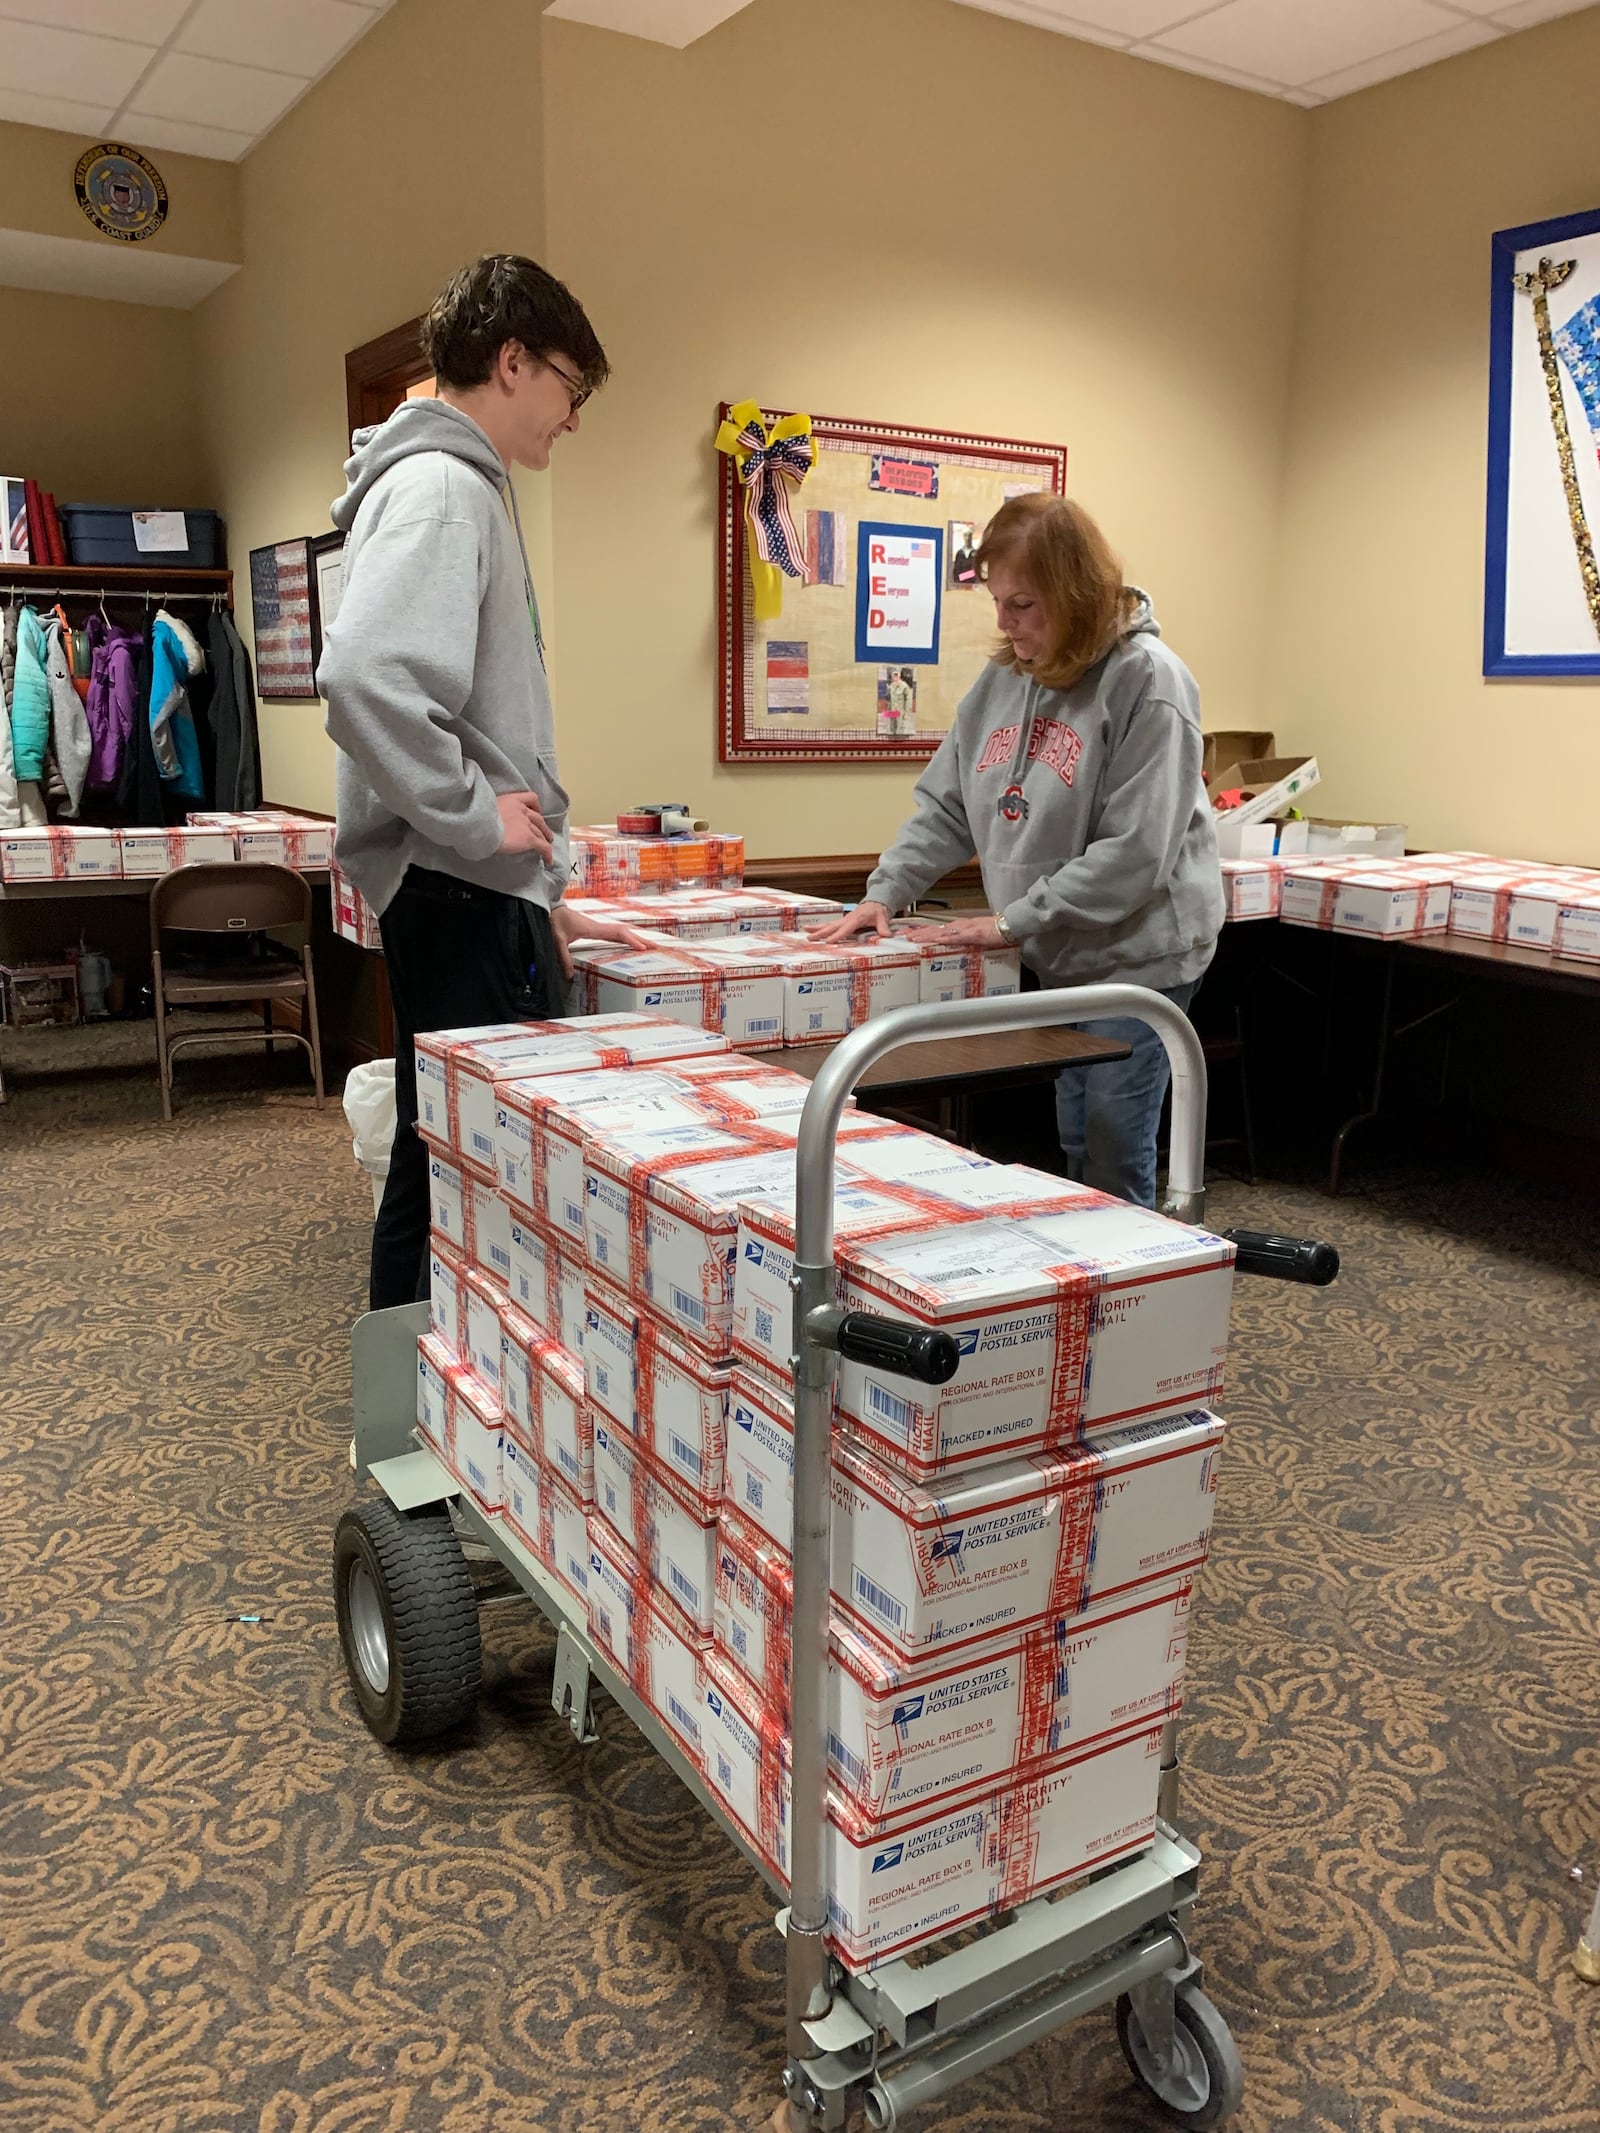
(769,467)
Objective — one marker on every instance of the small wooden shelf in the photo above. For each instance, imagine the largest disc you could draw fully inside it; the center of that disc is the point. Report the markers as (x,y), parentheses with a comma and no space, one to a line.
(119,577)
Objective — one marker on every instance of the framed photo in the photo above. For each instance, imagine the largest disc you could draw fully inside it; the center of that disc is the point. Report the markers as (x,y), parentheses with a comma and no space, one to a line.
(327,568)
(283,606)
(1541,601)
(889,627)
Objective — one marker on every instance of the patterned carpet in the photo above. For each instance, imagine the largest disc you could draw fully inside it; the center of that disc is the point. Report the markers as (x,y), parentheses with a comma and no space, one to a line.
(225,1909)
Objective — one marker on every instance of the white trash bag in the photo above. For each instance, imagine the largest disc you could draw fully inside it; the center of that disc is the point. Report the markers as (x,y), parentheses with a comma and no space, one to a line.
(369,1108)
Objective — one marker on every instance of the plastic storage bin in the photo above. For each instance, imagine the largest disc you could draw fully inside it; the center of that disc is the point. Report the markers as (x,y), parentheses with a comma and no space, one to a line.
(103,533)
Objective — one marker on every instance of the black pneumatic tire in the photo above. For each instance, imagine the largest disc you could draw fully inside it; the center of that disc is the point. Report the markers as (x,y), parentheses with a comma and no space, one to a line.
(408,1621)
(1210,2054)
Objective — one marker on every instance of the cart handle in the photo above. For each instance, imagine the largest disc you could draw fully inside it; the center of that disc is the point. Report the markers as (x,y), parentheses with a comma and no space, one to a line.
(1261,1251)
(817,1328)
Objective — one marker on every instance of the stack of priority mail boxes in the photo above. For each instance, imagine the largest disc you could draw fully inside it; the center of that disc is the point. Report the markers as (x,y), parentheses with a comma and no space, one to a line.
(1470,893)
(1555,907)
(712,914)
(764,990)
(607,862)
(1252,888)
(274,834)
(353,917)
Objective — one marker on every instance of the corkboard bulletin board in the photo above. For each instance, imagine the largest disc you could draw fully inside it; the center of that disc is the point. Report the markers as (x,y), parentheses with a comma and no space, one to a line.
(796,690)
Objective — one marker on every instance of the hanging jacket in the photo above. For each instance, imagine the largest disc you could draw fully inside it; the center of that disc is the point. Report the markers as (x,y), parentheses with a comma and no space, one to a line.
(69,727)
(30,702)
(233,715)
(10,812)
(110,709)
(140,794)
(175,658)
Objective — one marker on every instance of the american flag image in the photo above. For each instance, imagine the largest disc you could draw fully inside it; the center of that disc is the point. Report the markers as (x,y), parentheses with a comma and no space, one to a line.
(921,549)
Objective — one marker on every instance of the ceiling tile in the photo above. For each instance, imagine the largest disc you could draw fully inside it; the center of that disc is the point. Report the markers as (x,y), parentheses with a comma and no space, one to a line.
(211,92)
(1289,41)
(1465,37)
(1187,63)
(87,70)
(1041,15)
(302,36)
(1131,19)
(23,108)
(185,138)
(1523,14)
(152,22)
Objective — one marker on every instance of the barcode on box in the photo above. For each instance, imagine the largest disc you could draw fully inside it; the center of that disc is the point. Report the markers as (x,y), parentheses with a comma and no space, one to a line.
(686,1454)
(482,1142)
(578,1572)
(682,1719)
(605,1621)
(852,1765)
(753,1491)
(611,1499)
(764,1027)
(724,1772)
(763,1327)
(686,1589)
(574,1216)
(741,1640)
(500,1255)
(688,1306)
(602,1380)
(565,1458)
(883,1604)
(602,1248)
(887,1407)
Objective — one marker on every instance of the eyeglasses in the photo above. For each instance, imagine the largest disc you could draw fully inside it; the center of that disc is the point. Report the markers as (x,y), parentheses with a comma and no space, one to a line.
(576,394)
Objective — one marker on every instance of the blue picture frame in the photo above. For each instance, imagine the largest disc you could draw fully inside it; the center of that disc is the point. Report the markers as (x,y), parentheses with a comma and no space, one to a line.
(1505,245)
(870,655)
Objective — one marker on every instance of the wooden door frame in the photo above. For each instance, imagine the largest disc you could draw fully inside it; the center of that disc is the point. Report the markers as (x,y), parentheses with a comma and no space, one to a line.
(377,374)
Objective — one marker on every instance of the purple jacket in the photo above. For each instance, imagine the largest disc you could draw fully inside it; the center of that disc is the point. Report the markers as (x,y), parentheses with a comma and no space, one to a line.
(114,651)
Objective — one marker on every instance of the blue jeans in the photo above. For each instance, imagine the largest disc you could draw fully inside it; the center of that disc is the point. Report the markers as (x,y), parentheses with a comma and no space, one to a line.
(1108,1116)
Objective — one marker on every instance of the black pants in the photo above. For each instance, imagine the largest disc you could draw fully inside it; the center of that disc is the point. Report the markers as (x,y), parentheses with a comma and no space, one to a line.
(457,956)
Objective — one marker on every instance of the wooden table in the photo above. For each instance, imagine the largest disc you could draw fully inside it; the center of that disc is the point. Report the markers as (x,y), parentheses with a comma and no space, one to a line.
(956,1069)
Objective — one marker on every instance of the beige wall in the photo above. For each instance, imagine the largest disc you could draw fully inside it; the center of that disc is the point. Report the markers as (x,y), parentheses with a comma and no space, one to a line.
(1098,259)
(1098,255)
(36,193)
(1377,656)
(422,148)
(97,400)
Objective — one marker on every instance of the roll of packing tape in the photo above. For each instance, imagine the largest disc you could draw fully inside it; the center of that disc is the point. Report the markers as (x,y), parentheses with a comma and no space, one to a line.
(640,822)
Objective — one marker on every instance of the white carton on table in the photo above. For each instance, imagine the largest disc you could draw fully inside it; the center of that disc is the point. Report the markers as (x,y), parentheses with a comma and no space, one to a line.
(658,1389)
(816,983)
(60,851)
(488,1228)
(284,840)
(1391,901)
(661,1220)
(738,1000)
(649,1644)
(547,1283)
(446,1301)
(1557,916)
(963,973)
(522,1492)
(545,1402)
(158,851)
(1252,888)
(661,1524)
(1065,1323)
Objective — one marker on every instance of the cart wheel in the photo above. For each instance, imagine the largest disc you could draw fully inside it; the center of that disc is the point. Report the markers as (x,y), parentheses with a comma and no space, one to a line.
(408,1621)
(1205,2082)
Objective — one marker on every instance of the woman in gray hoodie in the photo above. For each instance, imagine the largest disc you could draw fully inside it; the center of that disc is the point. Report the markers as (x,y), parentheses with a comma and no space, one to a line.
(1072,772)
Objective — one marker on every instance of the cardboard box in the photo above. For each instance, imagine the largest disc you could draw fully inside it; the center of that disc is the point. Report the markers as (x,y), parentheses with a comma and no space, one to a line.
(1023,1542)
(545,1404)
(522,1154)
(488,1229)
(449,1210)
(816,983)
(660,1522)
(965,973)
(564,1536)
(435,1114)
(569,1136)
(741,1002)
(461,1420)
(61,852)
(547,1284)
(1321,837)
(1481,902)
(522,1492)
(661,1218)
(446,1300)
(606,862)
(1237,746)
(753,1608)
(1249,840)
(158,851)
(672,1400)
(922,1876)
(648,1644)
(1252,888)
(286,843)
(1066,1324)
(436,1365)
(1388,902)
(482,1301)
(1553,915)
(1271,786)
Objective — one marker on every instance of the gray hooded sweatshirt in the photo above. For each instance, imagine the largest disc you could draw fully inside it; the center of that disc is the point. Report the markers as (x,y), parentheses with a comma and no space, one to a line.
(433,668)
(1087,814)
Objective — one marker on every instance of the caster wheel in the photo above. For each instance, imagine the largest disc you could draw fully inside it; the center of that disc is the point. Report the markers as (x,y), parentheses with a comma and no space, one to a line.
(408,1621)
(1204,2083)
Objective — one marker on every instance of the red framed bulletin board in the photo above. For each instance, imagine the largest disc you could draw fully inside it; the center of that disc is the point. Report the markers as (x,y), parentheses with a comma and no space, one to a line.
(828,680)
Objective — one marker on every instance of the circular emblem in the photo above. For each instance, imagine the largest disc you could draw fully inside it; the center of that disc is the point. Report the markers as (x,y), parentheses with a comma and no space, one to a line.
(1013,804)
(121,193)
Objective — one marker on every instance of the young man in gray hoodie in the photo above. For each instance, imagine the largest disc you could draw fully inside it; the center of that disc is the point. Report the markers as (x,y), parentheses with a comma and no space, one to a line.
(451,816)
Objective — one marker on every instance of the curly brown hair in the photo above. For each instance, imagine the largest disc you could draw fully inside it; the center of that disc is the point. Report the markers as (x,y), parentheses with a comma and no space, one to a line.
(1074,573)
(504,297)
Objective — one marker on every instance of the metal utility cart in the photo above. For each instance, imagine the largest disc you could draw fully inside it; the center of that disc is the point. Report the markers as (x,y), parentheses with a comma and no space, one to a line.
(900,2035)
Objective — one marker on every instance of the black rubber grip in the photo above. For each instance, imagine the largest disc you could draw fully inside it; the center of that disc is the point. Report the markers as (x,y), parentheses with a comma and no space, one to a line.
(890,1344)
(1284,1258)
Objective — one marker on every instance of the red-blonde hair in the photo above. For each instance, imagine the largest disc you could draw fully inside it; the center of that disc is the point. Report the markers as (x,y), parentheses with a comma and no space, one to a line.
(1077,579)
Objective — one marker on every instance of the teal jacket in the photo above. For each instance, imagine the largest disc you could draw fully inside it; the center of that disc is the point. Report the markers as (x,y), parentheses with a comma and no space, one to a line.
(30,700)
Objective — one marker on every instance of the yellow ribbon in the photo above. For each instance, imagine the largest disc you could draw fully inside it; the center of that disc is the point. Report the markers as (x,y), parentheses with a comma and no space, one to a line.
(766,579)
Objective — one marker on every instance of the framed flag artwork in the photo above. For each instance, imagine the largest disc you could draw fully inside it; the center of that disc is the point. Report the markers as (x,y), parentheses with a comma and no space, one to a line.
(1541,604)
(885,624)
(283,609)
